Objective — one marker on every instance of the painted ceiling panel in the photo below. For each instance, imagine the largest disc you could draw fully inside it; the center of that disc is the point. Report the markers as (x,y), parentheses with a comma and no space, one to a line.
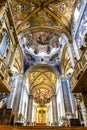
(42,13)
(42,84)
(40,24)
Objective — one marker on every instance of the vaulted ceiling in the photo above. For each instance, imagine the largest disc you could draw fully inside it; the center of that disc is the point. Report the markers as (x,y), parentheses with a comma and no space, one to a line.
(40,24)
(42,81)
(43,15)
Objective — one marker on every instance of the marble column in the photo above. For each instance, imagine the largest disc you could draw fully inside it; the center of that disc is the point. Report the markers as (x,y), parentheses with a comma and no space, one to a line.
(17,97)
(71,53)
(10,100)
(66,96)
(76,49)
(54,109)
(50,114)
(30,106)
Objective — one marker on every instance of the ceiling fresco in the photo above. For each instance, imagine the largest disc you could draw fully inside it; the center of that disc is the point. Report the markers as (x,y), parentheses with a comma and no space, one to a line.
(42,27)
(41,42)
(28,61)
(42,95)
(42,83)
(39,13)
(39,25)
(41,47)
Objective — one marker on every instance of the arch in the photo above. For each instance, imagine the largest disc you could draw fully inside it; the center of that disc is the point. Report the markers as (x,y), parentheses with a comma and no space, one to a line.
(65,63)
(55,30)
(41,70)
(36,86)
(63,58)
(21,59)
(40,75)
(43,67)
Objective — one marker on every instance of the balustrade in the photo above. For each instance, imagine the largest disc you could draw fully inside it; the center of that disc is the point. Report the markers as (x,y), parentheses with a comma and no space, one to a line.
(5,79)
(79,70)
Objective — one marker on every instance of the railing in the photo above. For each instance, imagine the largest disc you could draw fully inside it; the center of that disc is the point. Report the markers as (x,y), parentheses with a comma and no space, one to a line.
(79,70)
(5,79)
(84,61)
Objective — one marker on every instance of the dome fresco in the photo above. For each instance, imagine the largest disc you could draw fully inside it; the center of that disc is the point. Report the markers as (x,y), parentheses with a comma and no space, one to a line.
(41,47)
(41,42)
(39,25)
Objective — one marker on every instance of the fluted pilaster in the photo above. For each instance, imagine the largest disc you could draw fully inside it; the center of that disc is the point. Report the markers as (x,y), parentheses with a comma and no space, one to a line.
(71,53)
(30,106)
(76,49)
(54,108)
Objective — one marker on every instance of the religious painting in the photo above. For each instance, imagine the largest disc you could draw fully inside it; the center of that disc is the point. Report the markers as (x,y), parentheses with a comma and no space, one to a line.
(28,61)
